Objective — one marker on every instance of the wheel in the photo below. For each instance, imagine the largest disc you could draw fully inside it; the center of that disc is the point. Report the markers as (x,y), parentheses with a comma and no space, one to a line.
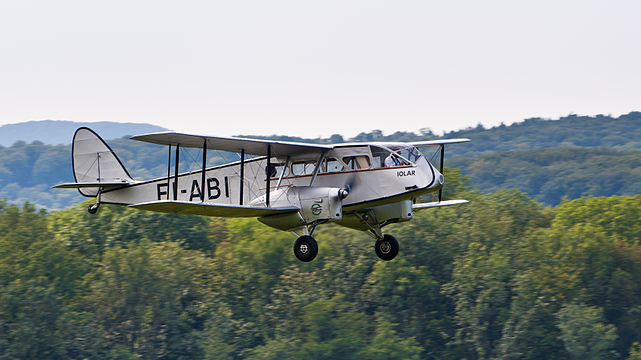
(386,248)
(93,208)
(305,248)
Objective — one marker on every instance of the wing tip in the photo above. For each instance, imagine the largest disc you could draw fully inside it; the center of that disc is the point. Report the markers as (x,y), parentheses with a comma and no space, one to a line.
(439,204)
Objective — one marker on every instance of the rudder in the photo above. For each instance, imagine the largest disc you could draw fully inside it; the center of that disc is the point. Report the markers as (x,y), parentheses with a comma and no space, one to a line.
(94,161)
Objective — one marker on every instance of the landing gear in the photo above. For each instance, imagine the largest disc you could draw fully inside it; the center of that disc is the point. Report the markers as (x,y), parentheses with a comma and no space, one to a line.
(93,208)
(386,248)
(305,248)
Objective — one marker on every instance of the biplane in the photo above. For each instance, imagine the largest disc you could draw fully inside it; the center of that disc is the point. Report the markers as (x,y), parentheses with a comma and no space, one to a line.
(286,185)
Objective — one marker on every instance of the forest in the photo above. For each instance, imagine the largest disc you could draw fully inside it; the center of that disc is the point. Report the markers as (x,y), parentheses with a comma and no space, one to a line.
(503,277)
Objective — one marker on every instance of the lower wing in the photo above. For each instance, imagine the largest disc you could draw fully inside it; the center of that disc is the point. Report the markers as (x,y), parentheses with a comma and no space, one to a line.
(218,210)
(438,204)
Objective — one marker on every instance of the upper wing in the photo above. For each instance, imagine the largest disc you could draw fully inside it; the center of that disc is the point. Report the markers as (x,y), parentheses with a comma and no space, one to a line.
(438,204)
(249,146)
(186,207)
(438,142)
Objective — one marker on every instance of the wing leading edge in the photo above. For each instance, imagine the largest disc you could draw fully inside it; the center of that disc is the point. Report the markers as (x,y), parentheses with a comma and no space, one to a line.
(438,142)
(218,210)
(231,144)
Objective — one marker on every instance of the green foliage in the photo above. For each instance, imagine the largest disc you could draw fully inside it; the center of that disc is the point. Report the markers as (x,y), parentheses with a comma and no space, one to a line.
(39,277)
(584,334)
(616,216)
(149,299)
(499,278)
(119,226)
(635,352)
(622,133)
(388,345)
(551,174)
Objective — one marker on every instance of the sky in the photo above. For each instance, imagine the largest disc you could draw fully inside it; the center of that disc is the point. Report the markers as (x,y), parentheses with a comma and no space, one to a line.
(316,68)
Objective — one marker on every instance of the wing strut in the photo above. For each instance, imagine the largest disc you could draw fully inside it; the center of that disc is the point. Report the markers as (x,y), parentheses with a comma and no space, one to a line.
(318,166)
(242,174)
(169,172)
(268,174)
(440,191)
(282,174)
(202,182)
(176,172)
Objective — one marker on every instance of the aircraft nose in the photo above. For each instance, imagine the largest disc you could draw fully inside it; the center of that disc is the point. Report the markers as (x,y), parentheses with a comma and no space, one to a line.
(439,179)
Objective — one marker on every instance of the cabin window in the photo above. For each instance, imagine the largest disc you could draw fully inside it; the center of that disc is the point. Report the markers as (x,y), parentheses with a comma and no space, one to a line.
(279,169)
(379,155)
(357,162)
(332,165)
(303,168)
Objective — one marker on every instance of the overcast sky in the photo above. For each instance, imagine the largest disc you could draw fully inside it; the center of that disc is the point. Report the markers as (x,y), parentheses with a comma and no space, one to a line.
(315,68)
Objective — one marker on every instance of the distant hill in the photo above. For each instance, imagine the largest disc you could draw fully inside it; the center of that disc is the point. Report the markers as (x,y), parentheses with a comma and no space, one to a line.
(55,132)
(573,156)
(620,133)
(550,174)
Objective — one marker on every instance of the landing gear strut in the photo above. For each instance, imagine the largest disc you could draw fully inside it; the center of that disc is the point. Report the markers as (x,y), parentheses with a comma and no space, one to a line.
(93,208)
(305,248)
(386,248)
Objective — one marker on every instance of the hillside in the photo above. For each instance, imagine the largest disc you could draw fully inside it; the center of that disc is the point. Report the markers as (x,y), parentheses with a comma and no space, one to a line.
(550,174)
(621,133)
(55,132)
(547,159)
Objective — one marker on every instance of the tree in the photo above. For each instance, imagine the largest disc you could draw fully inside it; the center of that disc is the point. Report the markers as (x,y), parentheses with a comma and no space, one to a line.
(148,299)
(584,334)
(387,344)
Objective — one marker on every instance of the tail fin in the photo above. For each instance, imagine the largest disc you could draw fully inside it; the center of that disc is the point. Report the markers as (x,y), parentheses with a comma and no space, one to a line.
(94,161)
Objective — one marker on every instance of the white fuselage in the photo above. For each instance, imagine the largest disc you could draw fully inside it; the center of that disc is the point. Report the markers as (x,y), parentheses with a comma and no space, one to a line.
(370,187)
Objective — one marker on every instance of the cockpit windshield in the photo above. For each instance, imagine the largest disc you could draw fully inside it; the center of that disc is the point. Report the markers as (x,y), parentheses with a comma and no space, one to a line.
(394,155)
(410,153)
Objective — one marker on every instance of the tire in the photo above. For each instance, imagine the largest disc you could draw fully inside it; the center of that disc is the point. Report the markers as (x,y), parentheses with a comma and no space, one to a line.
(386,248)
(93,208)
(305,248)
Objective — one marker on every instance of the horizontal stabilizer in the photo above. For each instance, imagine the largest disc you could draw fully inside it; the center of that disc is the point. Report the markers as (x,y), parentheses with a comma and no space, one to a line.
(103,185)
(219,210)
(438,204)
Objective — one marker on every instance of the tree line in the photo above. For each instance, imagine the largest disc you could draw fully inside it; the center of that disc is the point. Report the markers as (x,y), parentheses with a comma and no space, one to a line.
(500,278)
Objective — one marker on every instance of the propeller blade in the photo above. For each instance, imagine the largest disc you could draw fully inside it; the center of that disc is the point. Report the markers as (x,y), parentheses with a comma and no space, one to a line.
(440,191)
(350,185)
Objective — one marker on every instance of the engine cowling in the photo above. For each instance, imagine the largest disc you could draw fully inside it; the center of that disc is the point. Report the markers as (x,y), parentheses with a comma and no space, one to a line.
(316,204)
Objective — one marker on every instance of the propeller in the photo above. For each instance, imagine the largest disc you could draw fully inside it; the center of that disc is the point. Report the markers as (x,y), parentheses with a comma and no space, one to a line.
(350,185)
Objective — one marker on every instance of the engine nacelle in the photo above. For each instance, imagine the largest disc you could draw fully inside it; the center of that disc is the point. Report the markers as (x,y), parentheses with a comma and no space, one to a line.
(316,204)
(380,215)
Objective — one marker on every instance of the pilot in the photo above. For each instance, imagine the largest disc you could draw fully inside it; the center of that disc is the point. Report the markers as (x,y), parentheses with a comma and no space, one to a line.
(393,160)
(271,170)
